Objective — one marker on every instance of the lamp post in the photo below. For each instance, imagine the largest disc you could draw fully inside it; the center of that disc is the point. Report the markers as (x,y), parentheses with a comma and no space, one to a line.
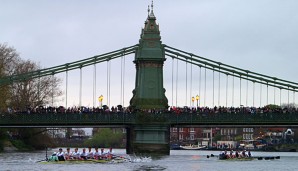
(192,99)
(100,98)
(197,98)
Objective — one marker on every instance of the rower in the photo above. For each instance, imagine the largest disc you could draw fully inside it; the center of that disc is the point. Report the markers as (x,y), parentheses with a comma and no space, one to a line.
(249,154)
(90,153)
(110,153)
(67,154)
(102,153)
(96,153)
(60,155)
(83,154)
(75,154)
(231,154)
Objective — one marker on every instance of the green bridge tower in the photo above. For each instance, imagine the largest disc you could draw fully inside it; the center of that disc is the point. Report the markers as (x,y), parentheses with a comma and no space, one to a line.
(149,93)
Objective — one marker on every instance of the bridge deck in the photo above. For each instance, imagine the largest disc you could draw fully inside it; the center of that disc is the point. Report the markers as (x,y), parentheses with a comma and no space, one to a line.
(121,119)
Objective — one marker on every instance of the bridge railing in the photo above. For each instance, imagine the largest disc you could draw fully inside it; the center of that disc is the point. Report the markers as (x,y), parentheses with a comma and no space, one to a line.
(122,118)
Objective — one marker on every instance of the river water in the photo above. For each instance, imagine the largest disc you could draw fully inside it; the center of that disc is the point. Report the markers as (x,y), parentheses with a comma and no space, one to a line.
(179,160)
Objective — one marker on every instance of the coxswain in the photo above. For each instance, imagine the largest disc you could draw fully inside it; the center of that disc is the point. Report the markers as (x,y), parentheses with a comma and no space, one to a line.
(53,157)
(60,155)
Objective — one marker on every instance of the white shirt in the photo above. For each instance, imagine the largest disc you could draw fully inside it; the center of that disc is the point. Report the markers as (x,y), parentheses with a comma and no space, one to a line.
(75,154)
(90,154)
(60,153)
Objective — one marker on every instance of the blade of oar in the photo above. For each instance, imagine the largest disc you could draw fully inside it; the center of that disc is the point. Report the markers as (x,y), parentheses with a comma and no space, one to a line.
(41,160)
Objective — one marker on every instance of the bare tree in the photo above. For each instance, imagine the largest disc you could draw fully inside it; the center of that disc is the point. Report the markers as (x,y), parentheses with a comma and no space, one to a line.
(28,93)
(8,60)
(34,92)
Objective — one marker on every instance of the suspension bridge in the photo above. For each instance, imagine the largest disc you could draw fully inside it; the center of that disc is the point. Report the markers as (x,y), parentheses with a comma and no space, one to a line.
(236,97)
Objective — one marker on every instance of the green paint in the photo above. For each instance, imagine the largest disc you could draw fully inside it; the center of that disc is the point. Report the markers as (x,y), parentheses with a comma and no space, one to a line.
(149,92)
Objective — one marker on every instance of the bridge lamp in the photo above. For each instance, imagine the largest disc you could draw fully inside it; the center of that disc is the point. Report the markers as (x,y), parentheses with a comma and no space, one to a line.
(197,98)
(193,99)
(100,98)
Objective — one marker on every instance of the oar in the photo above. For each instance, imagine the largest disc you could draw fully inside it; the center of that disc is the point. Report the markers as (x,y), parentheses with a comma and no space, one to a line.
(212,155)
(47,153)
(46,156)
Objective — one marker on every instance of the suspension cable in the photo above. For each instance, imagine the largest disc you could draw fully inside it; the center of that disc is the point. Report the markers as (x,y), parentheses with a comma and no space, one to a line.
(246,91)
(205,87)
(294,98)
(267,93)
(200,86)
(186,82)
(260,95)
(227,83)
(80,96)
(172,82)
(233,90)
(177,81)
(38,91)
(253,95)
(240,91)
(123,79)
(289,97)
(94,84)
(52,90)
(219,86)
(190,93)
(108,83)
(280,97)
(66,88)
(213,89)
(274,88)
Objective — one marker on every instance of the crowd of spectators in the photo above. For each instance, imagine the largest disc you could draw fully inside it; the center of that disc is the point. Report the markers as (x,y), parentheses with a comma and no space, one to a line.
(172,109)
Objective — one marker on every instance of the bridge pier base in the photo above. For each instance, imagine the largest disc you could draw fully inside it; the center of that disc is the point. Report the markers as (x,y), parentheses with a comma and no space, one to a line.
(148,139)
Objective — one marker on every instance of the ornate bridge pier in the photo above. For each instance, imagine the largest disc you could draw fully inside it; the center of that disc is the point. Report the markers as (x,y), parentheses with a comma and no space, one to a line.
(149,93)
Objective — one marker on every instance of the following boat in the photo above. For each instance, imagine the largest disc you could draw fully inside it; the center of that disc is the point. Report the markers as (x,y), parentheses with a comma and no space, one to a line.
(224,157)
(192,147)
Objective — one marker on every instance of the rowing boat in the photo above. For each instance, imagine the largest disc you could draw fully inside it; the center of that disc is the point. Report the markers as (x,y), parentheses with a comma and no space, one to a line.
(115,160)
(223,157)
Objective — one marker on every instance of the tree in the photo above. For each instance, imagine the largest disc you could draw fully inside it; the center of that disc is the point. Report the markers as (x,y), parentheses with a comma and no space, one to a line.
(25,94)
(105,138)
(28,93)
(33,92)
(8,60)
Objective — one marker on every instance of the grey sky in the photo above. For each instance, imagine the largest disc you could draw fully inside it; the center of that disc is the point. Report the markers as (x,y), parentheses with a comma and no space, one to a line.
(258,35)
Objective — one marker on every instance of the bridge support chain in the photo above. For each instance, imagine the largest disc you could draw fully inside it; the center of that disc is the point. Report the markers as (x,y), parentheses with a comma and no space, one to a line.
(148,139)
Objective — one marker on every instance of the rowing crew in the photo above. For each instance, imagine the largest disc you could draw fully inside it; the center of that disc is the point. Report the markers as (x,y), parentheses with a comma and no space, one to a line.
(84,155)
(237,154)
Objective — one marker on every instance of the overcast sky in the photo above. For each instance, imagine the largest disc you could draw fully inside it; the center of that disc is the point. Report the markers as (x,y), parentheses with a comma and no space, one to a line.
(258,35)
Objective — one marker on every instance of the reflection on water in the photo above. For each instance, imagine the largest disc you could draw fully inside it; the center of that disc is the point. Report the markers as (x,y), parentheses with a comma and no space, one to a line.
(149,168)
(178,160)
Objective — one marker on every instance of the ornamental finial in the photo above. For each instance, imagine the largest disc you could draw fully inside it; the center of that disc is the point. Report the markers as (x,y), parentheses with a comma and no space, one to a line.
(152,5)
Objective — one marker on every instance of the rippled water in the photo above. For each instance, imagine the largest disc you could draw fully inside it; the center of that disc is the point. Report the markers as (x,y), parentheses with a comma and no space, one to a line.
(178,160)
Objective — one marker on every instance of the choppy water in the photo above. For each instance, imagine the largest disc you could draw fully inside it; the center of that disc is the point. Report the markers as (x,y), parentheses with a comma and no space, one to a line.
(178,160)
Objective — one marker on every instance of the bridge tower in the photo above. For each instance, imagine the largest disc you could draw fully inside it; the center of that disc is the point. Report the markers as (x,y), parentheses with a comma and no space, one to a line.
(149,93)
